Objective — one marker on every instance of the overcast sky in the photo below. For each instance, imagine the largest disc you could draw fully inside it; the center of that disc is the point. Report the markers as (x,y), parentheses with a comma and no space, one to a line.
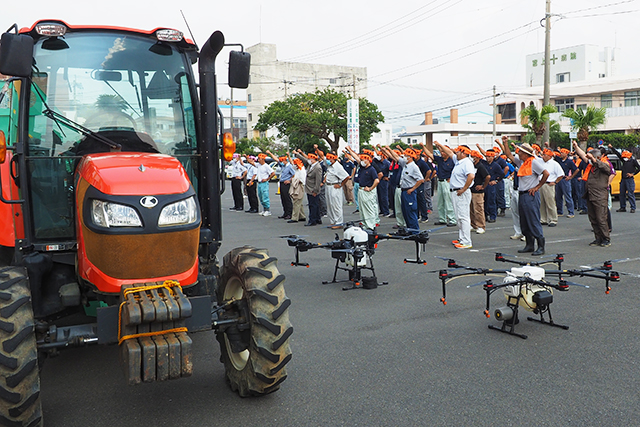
(420,55)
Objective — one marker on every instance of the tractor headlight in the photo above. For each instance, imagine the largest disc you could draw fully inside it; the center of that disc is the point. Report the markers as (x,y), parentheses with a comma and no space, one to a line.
(179,213)
(107,214)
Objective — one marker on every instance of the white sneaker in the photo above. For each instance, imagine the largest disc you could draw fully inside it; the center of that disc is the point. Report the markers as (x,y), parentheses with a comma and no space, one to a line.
(516,236)
(266,213)
(480,231)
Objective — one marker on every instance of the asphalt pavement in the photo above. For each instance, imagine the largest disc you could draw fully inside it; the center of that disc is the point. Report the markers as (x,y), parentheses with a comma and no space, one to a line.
(395,356)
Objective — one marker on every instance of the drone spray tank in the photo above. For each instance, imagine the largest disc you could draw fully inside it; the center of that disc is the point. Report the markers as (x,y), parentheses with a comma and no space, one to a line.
(528,296)
(360,238)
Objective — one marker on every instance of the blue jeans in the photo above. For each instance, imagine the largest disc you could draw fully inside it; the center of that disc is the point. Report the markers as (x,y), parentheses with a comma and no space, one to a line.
(577,190)
(627,191)
(563,190)
(263,195)
(410,211)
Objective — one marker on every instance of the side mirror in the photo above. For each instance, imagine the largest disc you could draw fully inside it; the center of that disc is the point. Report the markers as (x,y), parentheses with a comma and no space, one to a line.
(239,64)
(16,55)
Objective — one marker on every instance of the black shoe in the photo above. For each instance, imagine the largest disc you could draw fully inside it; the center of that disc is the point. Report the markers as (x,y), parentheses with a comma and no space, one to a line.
(440,223)
(391,216)
(310,224)
(621,210)
(605,243)
(291,221)
(583,212)
(501,213)
(491,220)
(552,224)
(286,217)
(252,211)
(319,222)
(281,217)
(529,247)
(632,211)
(595,243)
(452,225)
(540,250)
(356,211)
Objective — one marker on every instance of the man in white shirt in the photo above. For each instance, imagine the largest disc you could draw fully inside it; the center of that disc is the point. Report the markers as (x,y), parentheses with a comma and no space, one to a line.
(265,173)
(238,173)
(461,180)
(548,210)
(335,178)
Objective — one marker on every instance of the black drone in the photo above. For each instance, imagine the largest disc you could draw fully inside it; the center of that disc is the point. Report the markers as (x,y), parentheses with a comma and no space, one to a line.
(525,286)
(356,249)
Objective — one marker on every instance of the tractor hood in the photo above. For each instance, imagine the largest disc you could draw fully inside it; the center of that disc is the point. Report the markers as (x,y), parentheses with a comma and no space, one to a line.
(130,174)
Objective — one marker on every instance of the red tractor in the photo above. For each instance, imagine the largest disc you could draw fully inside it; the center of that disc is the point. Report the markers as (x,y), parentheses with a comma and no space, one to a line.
(110,217)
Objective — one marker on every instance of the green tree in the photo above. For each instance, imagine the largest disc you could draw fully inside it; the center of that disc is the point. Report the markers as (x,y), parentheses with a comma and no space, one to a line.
(534,120)
(322,114)
(256,145)
(584,121)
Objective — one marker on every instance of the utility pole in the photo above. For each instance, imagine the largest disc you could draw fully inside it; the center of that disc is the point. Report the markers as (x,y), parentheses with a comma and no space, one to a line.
(547,65)
(354,86)
(232,134)
(495,116)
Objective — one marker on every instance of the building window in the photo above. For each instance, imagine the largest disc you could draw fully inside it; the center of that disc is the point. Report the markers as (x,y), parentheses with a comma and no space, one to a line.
(565,104)
(632,99)
(582,107)
(333,81)
(249,97)
(606,101)
(507,111)
(250,117)
(563,77)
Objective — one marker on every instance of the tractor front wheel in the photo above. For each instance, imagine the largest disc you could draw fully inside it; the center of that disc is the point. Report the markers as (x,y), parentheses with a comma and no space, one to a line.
(256,349)
(19,375)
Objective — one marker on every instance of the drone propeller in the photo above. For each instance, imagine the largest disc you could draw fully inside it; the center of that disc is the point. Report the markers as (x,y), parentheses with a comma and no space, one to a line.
(436,229)
(572,284)
(293,236)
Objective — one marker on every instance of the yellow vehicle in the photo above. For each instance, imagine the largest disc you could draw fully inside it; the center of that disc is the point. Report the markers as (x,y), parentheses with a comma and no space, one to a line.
(615,184)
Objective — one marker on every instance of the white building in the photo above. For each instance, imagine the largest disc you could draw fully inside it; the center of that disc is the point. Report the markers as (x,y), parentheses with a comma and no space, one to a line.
(572,64)
(273,80)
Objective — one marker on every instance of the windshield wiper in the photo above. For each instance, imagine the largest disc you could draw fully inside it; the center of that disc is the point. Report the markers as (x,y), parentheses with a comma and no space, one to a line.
(57,117)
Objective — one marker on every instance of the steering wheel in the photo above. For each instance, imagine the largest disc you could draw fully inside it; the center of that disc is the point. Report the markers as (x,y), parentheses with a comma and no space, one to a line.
(111,120)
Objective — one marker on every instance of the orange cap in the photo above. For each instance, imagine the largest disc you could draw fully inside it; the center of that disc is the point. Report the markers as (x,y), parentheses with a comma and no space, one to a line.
(490,153)
(475,153)
(331,156)
(364,156)
(262,156)
(626,154)
(312,156)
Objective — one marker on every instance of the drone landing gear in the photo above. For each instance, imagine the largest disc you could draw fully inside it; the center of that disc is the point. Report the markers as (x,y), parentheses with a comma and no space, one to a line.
(418,260)
(549,322)
(355,276)
(508,326)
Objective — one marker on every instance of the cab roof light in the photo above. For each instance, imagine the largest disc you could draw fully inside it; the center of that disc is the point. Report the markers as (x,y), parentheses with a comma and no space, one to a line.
(52,30)
(168,35)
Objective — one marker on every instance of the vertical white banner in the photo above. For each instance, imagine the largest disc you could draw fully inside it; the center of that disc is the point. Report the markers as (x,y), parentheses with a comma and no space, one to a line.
(353,124)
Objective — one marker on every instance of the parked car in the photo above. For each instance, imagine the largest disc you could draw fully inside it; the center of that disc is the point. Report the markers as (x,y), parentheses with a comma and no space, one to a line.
(615,184)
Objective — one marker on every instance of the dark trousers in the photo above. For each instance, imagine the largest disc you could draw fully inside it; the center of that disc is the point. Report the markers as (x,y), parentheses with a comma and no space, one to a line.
(422,203)
(502,203)
(252,194)
(236,190)
(577,190)
(383,196)
(391,197)
(285,198)
(627,191)
(529,209)
(410,211)
(314,209)
(491,201)
(563,191)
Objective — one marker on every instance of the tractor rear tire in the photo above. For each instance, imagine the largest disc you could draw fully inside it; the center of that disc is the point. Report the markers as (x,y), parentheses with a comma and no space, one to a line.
(19,375)
(250,275)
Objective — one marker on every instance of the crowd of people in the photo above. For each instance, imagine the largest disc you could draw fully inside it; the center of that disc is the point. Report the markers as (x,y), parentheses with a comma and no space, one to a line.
(469,188)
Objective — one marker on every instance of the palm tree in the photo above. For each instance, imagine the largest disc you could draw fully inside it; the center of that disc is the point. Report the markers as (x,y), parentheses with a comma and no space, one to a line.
(585,121)
(534,120)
